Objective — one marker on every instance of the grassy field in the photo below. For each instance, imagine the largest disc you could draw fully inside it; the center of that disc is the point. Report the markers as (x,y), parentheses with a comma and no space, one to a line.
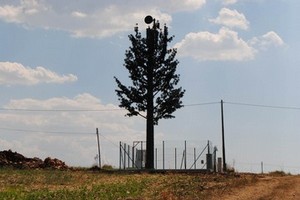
(84,184)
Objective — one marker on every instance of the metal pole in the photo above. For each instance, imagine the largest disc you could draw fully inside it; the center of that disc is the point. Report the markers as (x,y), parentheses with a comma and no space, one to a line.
(133,156)
(223,137)
(175,158)
(195,158)
(163,146)
(128,161)
(99,155)
(185,154)
(120,160)
(124,164)
(142,154)
(155,158)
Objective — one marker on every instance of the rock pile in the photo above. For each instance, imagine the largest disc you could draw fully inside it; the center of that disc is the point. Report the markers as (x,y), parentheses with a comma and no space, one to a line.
(54,163)
(16,160)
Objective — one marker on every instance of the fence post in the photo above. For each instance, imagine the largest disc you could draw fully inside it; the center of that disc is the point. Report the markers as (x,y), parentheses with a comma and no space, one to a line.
(175,158)
(128,156)
(155,158)
(163,146)
(124,163)
(120,160)
(195,158)
(99,154)
(185,154)
(133,156)
(142,154)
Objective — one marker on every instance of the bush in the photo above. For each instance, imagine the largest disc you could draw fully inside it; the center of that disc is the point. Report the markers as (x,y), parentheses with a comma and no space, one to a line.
(279,173)
(107,167)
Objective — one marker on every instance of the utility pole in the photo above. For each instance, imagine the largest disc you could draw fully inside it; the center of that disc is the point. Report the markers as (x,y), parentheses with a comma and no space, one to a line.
(99,155)
(151,43)
(223,137)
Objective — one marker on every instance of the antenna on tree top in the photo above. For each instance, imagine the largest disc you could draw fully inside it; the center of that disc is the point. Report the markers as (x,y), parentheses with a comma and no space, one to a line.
(148,19)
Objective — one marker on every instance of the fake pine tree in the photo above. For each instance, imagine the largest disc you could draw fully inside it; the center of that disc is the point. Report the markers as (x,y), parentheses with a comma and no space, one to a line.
(152,69)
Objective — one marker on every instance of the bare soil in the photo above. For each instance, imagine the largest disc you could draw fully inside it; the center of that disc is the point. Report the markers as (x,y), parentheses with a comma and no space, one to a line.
(265,188)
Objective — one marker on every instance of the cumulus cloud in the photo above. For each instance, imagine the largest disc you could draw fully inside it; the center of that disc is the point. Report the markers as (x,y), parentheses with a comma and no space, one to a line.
(95,111)
(226,45)
(179,5)
(10,13)
(12,73)
(222,46)
(267,40)
(228,2)
(231,18)
(91,18)
(65,127)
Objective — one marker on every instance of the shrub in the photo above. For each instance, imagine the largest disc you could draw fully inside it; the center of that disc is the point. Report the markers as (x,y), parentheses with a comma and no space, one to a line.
(107,167)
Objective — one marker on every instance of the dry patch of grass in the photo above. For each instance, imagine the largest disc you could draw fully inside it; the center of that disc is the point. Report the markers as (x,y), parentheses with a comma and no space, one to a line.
(83,184)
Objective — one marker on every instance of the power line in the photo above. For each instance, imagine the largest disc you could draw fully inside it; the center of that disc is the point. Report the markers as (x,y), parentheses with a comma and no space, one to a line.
(109,140)
(60,110)
(40,131)
(200,104)
(54,132)
(263,106)
(87,110)
(122,109)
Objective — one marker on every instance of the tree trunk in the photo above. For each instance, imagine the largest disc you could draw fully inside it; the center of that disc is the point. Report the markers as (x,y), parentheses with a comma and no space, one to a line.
(150,122)
(150,141)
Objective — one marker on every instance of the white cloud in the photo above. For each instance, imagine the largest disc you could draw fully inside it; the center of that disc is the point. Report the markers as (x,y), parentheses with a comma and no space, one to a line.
(17,74)
(10,13)
(68,135)
(222,46)
(228,2)
(267,40)
(114,20)
(179,5)
(78,14)
(91,18)
(231,2)
(231,18)
(107,115)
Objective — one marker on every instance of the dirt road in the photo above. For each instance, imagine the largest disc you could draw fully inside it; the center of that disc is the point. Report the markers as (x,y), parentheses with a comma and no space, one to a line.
(267,188)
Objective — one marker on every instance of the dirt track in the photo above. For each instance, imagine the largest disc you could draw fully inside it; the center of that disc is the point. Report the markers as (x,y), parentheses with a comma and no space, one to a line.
(268,187)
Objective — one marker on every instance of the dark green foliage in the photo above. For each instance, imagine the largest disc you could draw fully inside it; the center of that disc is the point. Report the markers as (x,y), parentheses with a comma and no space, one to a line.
(138,59)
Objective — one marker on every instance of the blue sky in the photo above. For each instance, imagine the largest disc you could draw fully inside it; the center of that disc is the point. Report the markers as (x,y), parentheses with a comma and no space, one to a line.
(62,55)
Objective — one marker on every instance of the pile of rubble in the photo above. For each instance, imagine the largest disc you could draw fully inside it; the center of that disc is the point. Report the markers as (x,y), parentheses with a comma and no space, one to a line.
(16,160)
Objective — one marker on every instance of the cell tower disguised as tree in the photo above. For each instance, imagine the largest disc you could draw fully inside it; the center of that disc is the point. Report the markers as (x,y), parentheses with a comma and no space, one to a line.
(152,68)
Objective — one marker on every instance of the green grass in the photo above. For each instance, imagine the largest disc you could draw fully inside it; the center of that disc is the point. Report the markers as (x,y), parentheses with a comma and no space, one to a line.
(84,184)
(54,184)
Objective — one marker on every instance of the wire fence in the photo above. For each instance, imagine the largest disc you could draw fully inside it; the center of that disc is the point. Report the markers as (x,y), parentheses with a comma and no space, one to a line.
(264,167)
(178,155)
(170,154)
